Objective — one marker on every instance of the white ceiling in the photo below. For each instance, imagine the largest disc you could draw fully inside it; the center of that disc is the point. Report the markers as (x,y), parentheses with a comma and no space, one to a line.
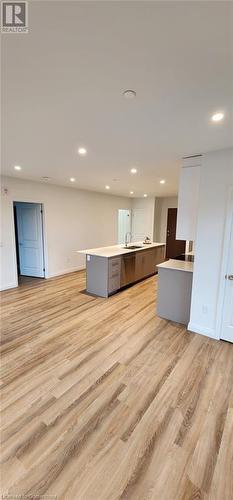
(63,84)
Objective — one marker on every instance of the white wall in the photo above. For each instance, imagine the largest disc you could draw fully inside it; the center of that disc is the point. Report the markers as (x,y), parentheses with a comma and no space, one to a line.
(161,208)
(74,220)
(215,182)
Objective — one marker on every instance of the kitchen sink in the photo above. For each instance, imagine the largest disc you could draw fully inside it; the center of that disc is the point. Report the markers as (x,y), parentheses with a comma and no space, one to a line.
(133,247)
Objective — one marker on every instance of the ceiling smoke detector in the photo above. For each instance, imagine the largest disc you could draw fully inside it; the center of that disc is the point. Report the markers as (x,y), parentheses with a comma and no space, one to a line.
(129,94)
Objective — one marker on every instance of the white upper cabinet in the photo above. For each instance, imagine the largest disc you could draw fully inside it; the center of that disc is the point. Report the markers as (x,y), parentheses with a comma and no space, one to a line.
(188,199)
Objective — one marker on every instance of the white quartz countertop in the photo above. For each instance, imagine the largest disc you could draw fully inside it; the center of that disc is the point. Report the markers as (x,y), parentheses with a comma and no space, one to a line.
(115,250)
(177,265)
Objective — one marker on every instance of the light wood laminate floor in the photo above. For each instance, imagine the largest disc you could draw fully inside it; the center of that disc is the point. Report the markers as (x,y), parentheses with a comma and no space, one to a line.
(103,400)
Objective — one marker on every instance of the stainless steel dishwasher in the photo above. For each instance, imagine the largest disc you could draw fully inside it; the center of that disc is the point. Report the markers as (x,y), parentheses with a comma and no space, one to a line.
(128,268)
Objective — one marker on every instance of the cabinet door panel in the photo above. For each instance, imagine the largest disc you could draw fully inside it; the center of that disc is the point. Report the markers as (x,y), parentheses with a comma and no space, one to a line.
(159,255)
(149,262)
(128,264)
(114,266)
(139,268)
(114,283)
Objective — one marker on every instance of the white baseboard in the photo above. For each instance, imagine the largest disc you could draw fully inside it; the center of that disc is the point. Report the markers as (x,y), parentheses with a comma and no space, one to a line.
(66,271)
(59,273)
(10,285)
(202,330)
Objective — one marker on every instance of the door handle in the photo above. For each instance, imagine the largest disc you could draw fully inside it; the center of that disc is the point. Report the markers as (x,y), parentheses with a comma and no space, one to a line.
(230,277)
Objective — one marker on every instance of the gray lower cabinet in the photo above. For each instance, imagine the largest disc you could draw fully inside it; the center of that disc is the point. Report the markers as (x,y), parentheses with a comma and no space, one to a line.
(107,275)
(174,295)
(114,274)
(103,275)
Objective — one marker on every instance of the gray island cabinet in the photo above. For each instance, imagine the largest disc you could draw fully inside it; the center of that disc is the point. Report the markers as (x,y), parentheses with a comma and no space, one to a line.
(109,269)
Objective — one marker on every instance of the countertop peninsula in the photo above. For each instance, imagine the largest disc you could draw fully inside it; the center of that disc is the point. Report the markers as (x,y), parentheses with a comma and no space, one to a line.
(116,250)
(177,265)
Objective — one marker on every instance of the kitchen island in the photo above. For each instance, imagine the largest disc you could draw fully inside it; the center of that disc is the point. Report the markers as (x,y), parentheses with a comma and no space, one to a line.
(109,269)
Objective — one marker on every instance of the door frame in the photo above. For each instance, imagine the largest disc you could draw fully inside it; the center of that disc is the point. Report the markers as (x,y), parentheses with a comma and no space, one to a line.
(179,241)
(223,269)
(45,252)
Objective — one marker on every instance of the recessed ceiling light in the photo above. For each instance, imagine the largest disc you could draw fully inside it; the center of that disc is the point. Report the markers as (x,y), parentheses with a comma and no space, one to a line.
(131,192)
(72,179)
(217,117)
(129,94)
(82,151)
(17,167)
(133,170)
(162,181)
(107,187)
(145,195)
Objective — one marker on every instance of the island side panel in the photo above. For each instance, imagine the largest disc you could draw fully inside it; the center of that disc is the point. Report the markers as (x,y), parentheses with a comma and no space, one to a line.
(97,275)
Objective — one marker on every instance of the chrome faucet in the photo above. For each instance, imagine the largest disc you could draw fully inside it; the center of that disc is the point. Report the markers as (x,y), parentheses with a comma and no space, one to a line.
(126,238)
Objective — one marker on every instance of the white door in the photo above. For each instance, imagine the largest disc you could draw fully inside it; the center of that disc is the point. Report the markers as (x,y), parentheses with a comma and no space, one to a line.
(138,224)
(227,322)
(124,224)
(30,239)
